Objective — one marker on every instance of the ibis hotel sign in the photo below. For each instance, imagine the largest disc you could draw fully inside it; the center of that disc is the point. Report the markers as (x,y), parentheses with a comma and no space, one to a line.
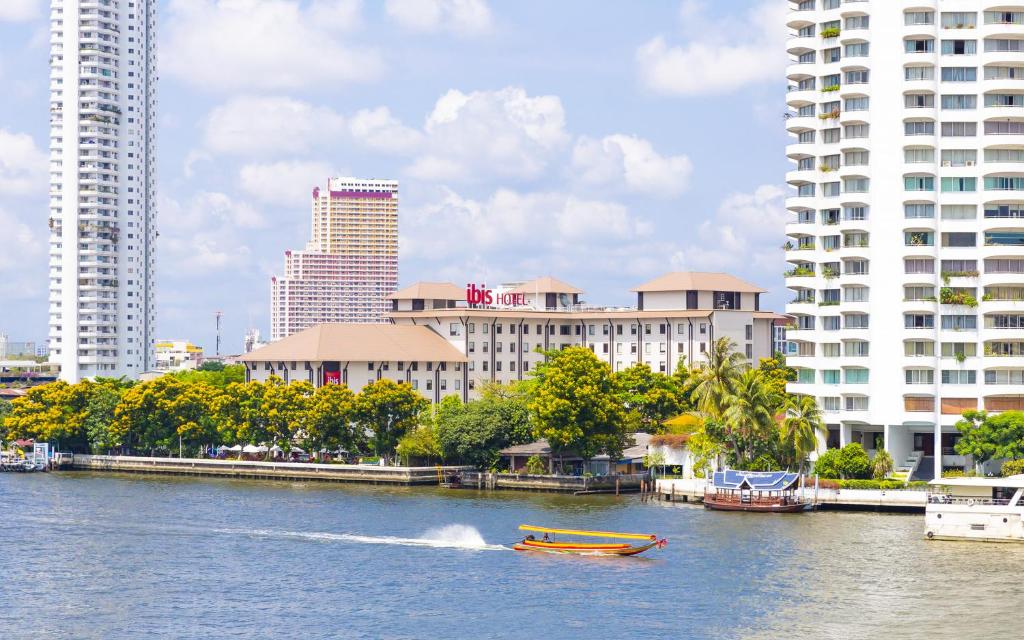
(493,297)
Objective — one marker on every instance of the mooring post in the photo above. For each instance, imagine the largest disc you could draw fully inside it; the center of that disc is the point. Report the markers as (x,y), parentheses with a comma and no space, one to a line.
(616,486)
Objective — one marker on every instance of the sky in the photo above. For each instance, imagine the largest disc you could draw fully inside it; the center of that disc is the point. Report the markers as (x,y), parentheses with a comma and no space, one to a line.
(604,143)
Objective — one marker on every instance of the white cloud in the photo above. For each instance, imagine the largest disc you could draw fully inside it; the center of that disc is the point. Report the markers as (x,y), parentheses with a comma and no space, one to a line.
(631,162)
(464,17)
(228,45)
(286,183)
(23,166)
(205,234)
(377,129)
(721,57)
(23,260)
(252,125)
(208,210)
(20,10)
(505,132)
(745,234)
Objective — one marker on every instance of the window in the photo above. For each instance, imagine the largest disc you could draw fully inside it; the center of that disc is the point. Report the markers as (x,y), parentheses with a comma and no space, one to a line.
(960,47)
(959,322)
(957,376)
(959,239)
(919,376)
(919,210)
(953,268)
(958,185)
(1005,376)
(959,157)
(830,404)
(1004,45)
(1004,183)
(830,323)
(857,403)
(918,155)
(918,348)
(918,293)
(453,329)
(855,294)
(856,376)
(959,102)
(917,128)
(1004,17)
(912,18)
(918,321)
(829,136)
(959,20)
(830,376)
(959,129)
(918,238)
(1004,72)
(828,55)
(855,213)
(859,76)
(919,73)
(1015,210)
(855,158)
(918,46)
(855,131)
(857,320)
(959,74)
(858,185)
(1004,238)
(856,50)
(856,267)
(918,100)
(919,183)
(857,22)
(1004,155)
(1004,127)
(857,349)
(1004,100)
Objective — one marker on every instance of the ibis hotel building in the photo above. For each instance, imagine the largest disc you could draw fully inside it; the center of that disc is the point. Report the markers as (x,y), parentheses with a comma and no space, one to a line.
(350,264)
(906,236)
(446,339)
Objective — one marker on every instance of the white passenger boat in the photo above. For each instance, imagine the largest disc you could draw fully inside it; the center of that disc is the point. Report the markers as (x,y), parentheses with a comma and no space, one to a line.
(987,509)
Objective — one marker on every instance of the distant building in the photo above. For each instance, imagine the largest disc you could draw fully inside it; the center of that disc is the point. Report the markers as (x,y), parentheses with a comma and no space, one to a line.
(253,340)
(9,349)
(349,266)
(781,344)
(177,355)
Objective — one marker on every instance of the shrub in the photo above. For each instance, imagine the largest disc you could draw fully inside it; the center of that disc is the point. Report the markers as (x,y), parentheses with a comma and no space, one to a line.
(849,462)
(882,465)
(871,484)
(953,473)
(535,466)
(1013,467)
(827,464)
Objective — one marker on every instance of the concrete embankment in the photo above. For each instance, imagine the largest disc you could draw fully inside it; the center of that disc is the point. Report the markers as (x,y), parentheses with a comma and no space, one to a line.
(692,490)
(371,474)
(561,484)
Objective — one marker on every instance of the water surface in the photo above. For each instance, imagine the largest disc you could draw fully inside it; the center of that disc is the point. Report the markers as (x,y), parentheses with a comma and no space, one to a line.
(107,556)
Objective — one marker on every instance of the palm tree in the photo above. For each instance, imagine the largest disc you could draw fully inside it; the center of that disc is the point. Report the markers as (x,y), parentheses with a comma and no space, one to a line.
(749,414)
(802,426)
(715,379)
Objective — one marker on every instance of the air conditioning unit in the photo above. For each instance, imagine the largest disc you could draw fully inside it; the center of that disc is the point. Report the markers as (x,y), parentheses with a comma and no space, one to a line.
(969,163)
(947,163)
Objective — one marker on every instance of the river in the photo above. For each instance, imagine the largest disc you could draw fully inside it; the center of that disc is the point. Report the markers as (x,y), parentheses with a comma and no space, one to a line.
(105,556)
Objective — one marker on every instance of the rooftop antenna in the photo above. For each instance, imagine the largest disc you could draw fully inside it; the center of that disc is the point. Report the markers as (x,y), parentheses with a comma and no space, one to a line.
(217,315)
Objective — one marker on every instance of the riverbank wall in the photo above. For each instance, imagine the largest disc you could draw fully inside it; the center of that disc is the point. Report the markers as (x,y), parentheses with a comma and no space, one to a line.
(579,485)
(907,501)
(368,474)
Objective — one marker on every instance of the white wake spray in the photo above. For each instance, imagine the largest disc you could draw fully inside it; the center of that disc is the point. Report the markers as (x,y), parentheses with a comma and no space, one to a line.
(452,536)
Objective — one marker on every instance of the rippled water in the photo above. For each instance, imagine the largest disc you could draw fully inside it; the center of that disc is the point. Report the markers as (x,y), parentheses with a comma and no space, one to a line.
(104,556)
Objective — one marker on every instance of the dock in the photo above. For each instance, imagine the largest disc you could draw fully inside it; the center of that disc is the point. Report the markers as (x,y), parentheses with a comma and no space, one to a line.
(905,500)
(353,473)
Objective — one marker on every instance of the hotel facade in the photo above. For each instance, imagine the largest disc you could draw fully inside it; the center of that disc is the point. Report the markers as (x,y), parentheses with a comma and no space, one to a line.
(102,215)
(350,265)
(445,345)
(906,239)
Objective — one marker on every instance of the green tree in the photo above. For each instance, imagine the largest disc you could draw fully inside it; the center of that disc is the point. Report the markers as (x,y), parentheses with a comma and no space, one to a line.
(285,407)
(474,433)
(850,462)
(750,418)
(882,465)
(217,377)
(54,413)
(648,398)
(776,374)
(987,437)
(574,405)
(535,466)
(330,421)
(211,365)
(5,409)
(102,398)
(388,409)
(714,380)
(420,443)
(802,427)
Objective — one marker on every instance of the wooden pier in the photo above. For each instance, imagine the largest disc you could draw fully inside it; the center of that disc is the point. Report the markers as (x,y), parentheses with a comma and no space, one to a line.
(356,473)
(577,485)
(905,500)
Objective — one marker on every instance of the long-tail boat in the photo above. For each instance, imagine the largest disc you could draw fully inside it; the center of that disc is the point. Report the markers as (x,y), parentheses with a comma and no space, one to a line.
(766,491)
(550,545)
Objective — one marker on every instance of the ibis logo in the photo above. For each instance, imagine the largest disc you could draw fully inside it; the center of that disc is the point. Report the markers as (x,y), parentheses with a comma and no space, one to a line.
(483,296)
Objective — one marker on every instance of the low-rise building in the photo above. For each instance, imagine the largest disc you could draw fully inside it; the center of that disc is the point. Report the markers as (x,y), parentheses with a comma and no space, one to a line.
(177,355)
(499,334)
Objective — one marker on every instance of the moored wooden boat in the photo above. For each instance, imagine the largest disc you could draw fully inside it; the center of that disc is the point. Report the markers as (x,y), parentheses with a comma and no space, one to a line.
(549,545)
(760,491)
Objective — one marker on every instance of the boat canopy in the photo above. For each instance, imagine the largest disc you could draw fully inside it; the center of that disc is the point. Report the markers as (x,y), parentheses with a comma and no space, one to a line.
(595,534)
(755,480)
(1010,482)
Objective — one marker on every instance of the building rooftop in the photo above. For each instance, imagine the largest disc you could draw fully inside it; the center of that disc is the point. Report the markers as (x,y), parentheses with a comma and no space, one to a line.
(360,343)
(547,284)
(430,291)
(698,281)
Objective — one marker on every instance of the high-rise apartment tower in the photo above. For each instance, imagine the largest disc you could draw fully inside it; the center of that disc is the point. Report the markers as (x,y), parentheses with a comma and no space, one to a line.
(350,265)
(102,186)
(906,241)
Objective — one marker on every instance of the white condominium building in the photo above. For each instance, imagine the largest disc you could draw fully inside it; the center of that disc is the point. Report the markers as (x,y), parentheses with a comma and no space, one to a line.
(444,344)
(350,265)
(906,241)
(102,186)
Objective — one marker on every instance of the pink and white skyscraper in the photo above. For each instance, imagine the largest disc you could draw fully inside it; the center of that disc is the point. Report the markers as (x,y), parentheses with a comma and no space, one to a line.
(350,264)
